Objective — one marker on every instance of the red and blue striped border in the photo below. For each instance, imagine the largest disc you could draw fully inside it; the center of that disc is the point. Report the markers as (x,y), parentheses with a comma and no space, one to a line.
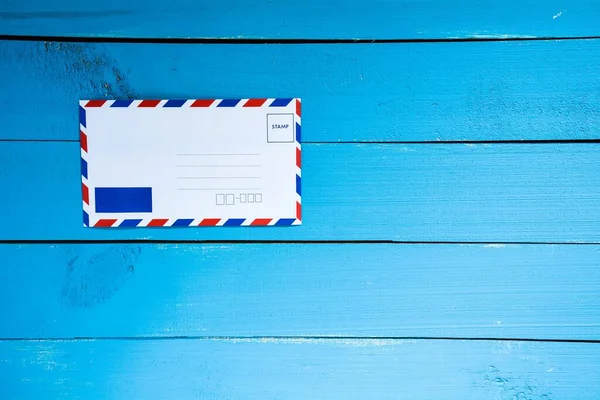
(83,141)
(186,222)
(175,103)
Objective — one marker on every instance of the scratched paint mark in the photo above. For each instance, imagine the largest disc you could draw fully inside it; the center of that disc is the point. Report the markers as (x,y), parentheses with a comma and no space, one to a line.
(532,382)
(558,15)
(45,357)
(515,386)
(92,280)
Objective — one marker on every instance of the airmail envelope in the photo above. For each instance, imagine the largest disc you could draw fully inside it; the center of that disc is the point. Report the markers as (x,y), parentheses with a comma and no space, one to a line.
(222,162)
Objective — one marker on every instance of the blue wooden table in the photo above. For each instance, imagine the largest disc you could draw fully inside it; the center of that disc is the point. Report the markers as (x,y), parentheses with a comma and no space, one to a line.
(450,245)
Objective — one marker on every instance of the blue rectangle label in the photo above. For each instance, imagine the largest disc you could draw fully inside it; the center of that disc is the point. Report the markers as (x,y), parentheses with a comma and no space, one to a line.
(123,200)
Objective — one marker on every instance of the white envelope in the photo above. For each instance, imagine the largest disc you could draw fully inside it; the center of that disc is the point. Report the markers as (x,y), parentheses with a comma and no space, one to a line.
(222,162)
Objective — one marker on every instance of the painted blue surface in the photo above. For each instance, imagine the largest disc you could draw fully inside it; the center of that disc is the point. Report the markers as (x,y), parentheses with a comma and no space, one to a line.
(207,321)
(420,192)
(309,19)
(368,92)
(150,290)
(266,369)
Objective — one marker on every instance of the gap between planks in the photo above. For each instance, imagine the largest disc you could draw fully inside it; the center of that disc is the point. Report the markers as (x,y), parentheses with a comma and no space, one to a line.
(75,39)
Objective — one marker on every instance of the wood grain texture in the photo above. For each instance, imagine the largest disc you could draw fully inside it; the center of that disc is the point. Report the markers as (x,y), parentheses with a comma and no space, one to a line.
(298,369)
(66,291)
(309,19)
(364,92)
(444,192)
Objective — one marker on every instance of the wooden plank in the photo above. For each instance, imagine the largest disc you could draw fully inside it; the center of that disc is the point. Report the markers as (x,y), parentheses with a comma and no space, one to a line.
(298,369)
(363,92)
(148,290)
(444,192)
(309,19)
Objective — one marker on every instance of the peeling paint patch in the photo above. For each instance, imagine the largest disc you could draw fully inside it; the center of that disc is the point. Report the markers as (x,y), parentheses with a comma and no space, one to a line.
(345,342)
(97,73)
(63,74)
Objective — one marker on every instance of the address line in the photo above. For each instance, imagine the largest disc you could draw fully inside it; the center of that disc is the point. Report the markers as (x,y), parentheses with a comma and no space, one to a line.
(215,154)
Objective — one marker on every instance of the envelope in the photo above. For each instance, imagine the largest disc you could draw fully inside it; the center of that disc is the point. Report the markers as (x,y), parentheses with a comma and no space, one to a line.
(187,163)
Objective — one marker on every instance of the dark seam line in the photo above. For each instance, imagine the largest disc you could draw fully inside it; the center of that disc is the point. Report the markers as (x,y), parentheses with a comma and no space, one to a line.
(41,140)
(324,338)
(95,39)
(509,141)
(252,242)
